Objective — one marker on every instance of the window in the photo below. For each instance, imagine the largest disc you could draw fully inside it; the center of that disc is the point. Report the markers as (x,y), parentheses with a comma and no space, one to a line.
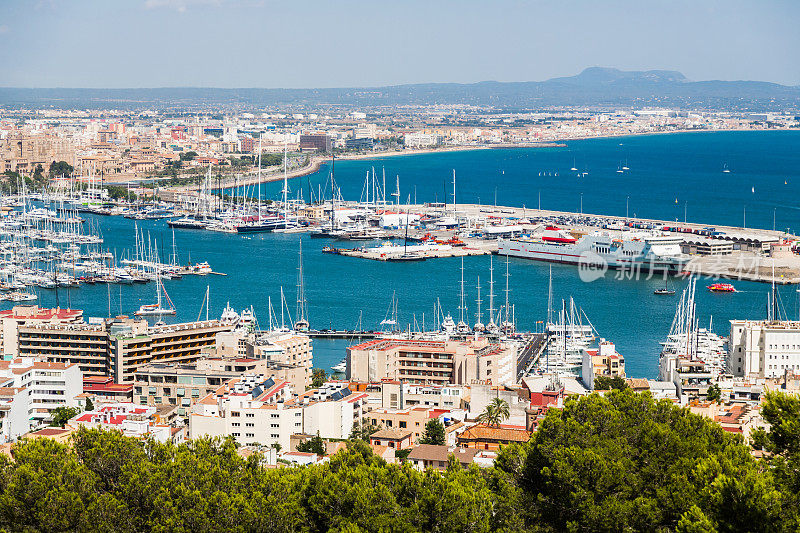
(402,424)
(235,424)
(235,413)
(250,434)
(249,415)
(249,424)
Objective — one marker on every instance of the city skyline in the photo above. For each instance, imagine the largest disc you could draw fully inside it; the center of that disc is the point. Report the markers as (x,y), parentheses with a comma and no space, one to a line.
(277,44)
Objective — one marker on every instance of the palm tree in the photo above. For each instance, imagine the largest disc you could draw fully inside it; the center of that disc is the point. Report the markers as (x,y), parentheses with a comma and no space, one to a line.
(495,413)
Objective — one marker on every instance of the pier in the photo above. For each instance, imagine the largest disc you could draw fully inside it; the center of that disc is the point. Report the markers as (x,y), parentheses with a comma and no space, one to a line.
(529,355)
(341,334)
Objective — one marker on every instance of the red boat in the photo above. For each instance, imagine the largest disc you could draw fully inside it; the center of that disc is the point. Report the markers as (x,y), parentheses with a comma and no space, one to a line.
(721,287)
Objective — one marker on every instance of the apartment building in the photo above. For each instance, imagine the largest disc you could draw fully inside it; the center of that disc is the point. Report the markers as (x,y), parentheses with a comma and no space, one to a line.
(423,362)
(764,349)
(183,384)
(412,419)
(287,348)
(132,420)
(399,395)
(33,389)
(118,347)
(21,315)
(255,409)
(86,345)
(604,361)
(136,344)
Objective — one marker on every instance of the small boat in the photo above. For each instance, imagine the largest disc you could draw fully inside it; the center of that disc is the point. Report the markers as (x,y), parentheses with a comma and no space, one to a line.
(187,223)
(721,287)
(19,297)
(340,367)
(157,309)
(405,257)
(725,168)
(665,290)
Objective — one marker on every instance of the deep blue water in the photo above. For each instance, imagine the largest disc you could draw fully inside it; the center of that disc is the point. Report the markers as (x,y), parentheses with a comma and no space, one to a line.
(686,166)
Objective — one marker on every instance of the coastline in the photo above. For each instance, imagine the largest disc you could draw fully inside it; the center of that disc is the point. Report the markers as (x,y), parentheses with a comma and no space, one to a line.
(315,162)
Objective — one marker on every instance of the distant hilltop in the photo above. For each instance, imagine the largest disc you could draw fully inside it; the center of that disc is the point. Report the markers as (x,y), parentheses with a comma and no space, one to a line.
(595,87)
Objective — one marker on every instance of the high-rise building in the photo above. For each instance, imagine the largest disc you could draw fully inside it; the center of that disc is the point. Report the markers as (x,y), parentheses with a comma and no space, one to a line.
(764,349)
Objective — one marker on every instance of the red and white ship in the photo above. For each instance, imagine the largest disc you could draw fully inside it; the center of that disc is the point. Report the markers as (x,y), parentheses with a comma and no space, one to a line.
(645,252)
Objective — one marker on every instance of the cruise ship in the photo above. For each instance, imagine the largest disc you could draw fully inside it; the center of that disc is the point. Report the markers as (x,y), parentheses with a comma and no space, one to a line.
(645,252)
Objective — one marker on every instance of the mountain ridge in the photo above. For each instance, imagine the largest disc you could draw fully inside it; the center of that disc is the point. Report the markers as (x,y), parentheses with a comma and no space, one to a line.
(592,87)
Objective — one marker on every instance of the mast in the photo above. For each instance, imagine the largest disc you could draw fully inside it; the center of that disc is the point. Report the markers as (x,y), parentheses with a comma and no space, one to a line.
(550,297)
(491,293)
(462,307)
(454,192)
(285,187)
(507,290)
(260,134)
(301,323)
(478,302)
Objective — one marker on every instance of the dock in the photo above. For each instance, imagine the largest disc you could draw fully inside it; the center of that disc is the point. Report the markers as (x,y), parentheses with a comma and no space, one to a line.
(341,334)
(530,355)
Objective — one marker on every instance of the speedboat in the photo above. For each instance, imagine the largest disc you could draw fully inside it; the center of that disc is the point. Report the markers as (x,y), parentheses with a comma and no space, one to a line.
(721,287)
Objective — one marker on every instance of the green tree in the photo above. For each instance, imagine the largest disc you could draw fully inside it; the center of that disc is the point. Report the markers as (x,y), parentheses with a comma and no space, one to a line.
(434,433)
(495,413)
(60,168)
(187,156)
(318,378)
(714,393)
(623,461)
(609,383)
(89,404)
(313,445)
(61,415)
(363,430)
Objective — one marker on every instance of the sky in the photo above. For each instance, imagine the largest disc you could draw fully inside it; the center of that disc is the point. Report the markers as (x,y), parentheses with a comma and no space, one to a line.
(351,43)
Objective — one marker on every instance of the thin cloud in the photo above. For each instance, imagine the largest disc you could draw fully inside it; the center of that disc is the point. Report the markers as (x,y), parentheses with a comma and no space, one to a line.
(179,5)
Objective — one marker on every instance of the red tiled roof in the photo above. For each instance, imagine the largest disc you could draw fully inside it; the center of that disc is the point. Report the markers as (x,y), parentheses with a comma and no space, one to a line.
(39,313)
(503,433)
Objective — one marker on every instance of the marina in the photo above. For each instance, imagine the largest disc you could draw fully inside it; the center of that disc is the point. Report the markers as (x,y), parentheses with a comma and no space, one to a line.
(336,298)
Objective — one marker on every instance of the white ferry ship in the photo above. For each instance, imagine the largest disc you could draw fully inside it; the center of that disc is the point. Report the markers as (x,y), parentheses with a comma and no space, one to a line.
(641,251)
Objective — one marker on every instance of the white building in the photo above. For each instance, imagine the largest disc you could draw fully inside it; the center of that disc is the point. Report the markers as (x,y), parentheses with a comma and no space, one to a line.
(259,411)
(131,419)
(31,390)
(764,349)
(419,139)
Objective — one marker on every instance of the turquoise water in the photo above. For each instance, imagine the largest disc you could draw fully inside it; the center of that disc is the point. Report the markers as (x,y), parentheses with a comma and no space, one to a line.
(686,166)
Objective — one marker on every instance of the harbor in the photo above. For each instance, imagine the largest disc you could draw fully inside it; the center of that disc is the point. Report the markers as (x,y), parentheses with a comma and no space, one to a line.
(342,287)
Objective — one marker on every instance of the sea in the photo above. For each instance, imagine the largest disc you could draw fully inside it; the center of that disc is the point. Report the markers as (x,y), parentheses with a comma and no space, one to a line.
(675,176)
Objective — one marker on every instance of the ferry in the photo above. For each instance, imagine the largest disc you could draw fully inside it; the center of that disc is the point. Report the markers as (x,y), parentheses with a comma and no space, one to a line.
(647,252)
(721,287)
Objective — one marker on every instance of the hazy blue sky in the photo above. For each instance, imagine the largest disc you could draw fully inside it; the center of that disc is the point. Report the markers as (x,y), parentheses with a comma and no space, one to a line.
(335,43)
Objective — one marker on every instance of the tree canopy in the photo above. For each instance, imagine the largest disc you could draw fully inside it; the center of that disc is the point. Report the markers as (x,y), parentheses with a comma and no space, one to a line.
(434,433)
(495,413)
(618,462)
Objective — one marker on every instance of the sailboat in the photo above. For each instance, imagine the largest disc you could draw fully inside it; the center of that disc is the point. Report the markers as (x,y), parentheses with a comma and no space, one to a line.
(157,308)
(725,168)
(619,168)
(406,255)
(625,166)
(391,316)
(665,291)
(574,167)
(301,324)
(462,326)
